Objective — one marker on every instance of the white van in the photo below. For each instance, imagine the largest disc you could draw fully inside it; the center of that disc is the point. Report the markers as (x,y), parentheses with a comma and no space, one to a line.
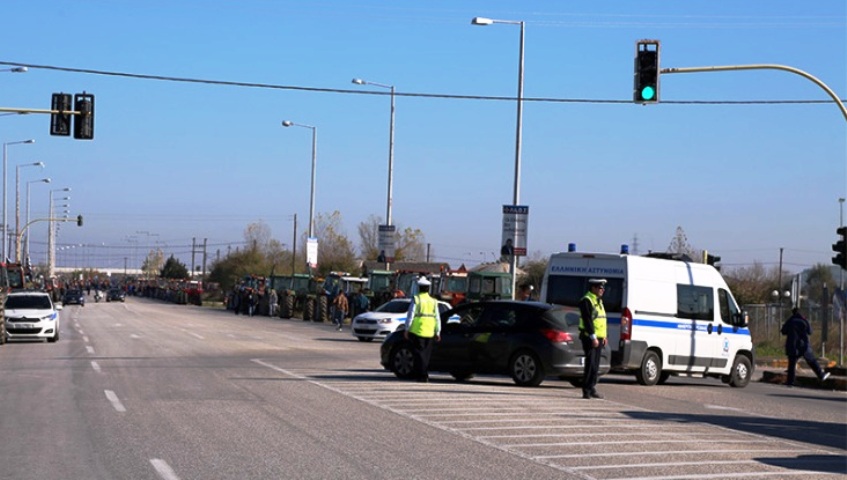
(665,316)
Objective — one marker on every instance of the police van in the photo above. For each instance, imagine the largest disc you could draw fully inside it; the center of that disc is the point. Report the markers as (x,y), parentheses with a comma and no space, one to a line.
(666,316)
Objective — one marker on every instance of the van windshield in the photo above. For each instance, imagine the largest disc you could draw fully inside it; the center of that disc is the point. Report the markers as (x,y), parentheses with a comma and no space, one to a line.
(568,290)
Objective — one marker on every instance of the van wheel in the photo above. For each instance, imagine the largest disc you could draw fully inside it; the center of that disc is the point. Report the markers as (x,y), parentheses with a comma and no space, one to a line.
(651,369)
(663,378)
(526,369)
(741,372)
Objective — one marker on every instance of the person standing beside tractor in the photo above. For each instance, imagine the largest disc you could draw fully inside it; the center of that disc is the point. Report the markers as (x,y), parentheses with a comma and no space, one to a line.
(341,308)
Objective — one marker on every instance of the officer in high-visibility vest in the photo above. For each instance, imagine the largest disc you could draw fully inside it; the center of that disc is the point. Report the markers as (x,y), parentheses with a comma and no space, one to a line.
(592,334)
(423,325)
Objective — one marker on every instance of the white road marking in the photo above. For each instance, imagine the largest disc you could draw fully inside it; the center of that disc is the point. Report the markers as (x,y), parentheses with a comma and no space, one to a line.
(718,407)
(89,349)
(134,336)
(96,366)
(163,469)
(85,339)
(116,403)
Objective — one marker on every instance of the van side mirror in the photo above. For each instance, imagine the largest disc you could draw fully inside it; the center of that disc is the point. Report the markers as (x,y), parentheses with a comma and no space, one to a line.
(741,319)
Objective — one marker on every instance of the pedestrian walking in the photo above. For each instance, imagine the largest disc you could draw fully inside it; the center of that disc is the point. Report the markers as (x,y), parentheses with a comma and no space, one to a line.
(423,326)
(341,308)
(273,302)
(592,334)
(797,331)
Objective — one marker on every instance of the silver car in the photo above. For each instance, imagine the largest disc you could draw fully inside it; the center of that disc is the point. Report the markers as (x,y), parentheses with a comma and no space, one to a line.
(385,320)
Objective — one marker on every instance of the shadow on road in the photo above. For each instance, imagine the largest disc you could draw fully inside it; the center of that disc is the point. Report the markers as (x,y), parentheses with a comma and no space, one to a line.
(832,435)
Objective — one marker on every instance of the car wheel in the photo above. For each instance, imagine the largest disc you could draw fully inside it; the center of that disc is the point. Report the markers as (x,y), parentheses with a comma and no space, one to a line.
(461,376)
(651,369)
(403,361)
(526,369)
(55,337)
(741,372)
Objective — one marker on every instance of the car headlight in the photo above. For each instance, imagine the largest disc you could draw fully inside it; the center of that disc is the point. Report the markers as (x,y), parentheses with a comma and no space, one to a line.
(386,320)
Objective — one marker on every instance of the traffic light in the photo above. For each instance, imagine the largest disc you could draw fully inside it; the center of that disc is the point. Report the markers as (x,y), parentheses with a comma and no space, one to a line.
(84,121)
(60,123)
(840,247)
(646,86)
(79,220)
(712,260)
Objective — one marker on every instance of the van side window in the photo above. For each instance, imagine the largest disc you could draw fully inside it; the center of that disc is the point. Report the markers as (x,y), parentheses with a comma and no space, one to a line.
(727,305)
(695,303)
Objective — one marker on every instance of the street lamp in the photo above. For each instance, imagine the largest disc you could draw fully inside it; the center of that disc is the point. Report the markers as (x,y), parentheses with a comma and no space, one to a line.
(26,247)
(5,144)
(18,256)
(51,243)
(389,202)
(517,188)
(288,123)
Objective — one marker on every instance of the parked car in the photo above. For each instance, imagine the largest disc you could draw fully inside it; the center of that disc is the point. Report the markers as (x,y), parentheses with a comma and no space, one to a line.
(31,315)
(74,297)
(386,319)
(116,295)
(527,340)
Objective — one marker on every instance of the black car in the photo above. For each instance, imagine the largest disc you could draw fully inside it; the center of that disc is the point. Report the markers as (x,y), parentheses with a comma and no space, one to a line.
(116,295)
(526,340)
(74,297)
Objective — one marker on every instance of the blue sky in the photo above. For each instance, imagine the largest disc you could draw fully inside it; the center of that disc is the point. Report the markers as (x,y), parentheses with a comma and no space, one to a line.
(183,160)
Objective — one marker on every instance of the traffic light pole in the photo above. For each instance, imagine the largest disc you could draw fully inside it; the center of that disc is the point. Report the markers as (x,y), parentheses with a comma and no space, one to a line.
(727,68)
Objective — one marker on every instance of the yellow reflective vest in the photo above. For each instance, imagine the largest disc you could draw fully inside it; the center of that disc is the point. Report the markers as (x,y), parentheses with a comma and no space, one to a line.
(598,315)
(425,321)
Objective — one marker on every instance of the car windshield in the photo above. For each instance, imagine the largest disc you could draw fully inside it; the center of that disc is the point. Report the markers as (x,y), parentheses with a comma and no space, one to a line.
(28,302)
(394,306)
(73,293)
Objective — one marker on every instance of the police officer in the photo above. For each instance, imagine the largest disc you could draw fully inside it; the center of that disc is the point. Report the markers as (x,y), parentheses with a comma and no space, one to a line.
(422,326)
(592,334)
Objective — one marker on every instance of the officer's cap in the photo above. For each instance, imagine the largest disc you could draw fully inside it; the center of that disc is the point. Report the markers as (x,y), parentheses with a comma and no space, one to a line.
(596,281)
(423,282)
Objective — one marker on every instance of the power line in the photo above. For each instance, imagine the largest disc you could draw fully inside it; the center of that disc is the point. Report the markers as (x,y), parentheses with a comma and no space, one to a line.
(165,78)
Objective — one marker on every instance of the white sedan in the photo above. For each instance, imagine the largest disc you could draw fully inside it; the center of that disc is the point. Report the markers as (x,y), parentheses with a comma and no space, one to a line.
(386,319)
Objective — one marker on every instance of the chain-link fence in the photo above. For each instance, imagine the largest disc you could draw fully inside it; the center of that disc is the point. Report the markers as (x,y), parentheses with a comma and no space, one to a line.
(766,322)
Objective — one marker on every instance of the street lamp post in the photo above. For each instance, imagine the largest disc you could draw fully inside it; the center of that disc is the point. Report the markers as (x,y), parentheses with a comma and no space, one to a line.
(18,256)
(288,123)
(390,200)
(5,194)
(516,196)
(26,246)
(51,241)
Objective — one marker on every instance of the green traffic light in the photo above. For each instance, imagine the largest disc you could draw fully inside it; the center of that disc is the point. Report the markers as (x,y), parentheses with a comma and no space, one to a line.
(648,93)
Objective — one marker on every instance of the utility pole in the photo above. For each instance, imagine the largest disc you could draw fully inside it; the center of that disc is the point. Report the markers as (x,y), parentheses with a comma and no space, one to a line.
(205,240)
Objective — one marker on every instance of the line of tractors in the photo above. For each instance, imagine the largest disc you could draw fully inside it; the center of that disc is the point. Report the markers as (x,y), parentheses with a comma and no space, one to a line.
(310,297)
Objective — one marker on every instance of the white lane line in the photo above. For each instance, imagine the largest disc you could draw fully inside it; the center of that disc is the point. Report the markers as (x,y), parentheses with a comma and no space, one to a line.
(163,469)
(718,407)
(85,339)
(115,401)
(670,452)
(89,349)
(79,330)
(134,336)
(96,366)
(194,334)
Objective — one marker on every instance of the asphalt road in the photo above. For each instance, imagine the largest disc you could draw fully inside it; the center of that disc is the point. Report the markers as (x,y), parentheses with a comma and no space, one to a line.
(145,390)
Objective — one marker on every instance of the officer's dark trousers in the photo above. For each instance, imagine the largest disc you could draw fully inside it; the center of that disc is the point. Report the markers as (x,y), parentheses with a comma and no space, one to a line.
(592,365)
(809,356)
(422,348)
